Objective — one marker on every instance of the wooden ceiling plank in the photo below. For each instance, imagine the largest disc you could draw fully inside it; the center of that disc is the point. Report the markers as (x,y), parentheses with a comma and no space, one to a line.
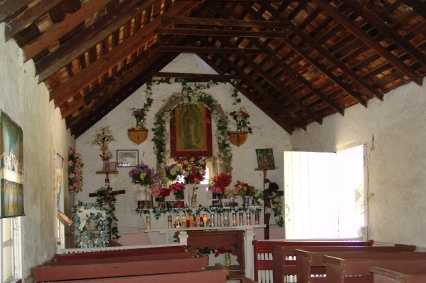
(371,43)
(56,31)
(385,30)
(71,49)
(68,89)
(312,43)
(27,17)
(418,6)
(8,8)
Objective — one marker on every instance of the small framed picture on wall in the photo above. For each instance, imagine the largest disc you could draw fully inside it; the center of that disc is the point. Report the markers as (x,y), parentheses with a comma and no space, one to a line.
(265,159)
(127,157)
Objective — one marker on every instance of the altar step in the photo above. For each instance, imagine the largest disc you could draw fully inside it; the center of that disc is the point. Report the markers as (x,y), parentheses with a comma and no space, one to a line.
(236,276)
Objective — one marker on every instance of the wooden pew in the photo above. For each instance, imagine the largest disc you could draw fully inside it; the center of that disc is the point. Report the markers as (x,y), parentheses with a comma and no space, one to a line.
(354,268)
(403,273)
(120,268)
(284,255)
(118,252)
(264,261)
(311,267)
(204,276)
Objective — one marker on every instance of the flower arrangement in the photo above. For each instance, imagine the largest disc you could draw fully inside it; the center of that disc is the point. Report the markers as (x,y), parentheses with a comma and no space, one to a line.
(241,118)
(173,171)
(178,190)
(143,175)
(160,192)
(244,189)
(220,182)
(103,138)
(75,176)
(193,169)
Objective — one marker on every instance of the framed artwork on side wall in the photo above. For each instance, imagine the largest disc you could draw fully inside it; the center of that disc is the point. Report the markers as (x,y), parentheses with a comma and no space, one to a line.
(265,159)
(11,168)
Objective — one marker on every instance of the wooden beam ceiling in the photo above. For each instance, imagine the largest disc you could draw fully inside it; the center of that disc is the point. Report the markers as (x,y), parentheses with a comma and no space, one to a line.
(371,43)
(8,8)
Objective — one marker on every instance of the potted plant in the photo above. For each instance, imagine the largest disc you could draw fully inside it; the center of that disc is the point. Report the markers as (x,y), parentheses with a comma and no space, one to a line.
(139,133)
(241,119)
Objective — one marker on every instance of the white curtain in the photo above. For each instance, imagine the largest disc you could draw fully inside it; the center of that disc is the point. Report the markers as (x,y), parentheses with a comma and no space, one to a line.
(323,194)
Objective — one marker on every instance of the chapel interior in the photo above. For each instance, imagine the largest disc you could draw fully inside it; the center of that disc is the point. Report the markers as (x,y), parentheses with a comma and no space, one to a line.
(213,141)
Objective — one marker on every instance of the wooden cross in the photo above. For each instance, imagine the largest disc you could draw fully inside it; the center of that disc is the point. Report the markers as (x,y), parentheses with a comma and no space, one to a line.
(114,193)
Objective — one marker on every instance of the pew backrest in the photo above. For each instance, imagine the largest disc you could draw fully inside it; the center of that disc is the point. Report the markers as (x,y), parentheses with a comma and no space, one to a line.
(205,276)
(400,274)
(84,271)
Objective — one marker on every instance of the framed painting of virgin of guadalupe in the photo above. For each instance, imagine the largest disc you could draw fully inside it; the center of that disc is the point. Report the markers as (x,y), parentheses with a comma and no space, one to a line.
(190,131)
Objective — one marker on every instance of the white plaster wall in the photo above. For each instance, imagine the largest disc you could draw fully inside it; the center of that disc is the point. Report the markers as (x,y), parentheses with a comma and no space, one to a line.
(395,132)
(45,134)
(266,134)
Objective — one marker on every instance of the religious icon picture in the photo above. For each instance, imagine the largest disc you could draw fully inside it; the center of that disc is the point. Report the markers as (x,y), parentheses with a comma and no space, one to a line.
(190,131)
(127,157)
(265,159)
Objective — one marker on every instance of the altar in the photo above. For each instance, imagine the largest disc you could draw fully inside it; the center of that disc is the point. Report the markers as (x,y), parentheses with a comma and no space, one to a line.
(220,229)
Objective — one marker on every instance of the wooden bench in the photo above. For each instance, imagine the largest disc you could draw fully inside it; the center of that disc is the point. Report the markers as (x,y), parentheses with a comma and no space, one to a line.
(354,268)
(264,260)
(403,273)
(116,252)
(311,267)
(204,276)
(119,268)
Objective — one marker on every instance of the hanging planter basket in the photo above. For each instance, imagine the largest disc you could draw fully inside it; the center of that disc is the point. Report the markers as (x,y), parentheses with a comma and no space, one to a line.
(237,138)
(137,135)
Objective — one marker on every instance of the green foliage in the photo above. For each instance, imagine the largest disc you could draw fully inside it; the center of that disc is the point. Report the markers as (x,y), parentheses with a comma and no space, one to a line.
(192,93)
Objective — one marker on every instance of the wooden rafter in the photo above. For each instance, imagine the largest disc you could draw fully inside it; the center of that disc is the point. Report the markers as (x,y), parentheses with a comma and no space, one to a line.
(277,87)
(114,84)
(208,49)
(287,125)
(371,43)
(385,30)
(131,45)
(9,8)
(27,17)
(107,104)
(50,37)
(418,6)
(197,77)
(322,69)
(73,48)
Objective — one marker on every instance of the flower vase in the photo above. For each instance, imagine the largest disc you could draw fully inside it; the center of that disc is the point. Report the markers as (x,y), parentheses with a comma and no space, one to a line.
(143,197)
(188,192)
(247,201)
